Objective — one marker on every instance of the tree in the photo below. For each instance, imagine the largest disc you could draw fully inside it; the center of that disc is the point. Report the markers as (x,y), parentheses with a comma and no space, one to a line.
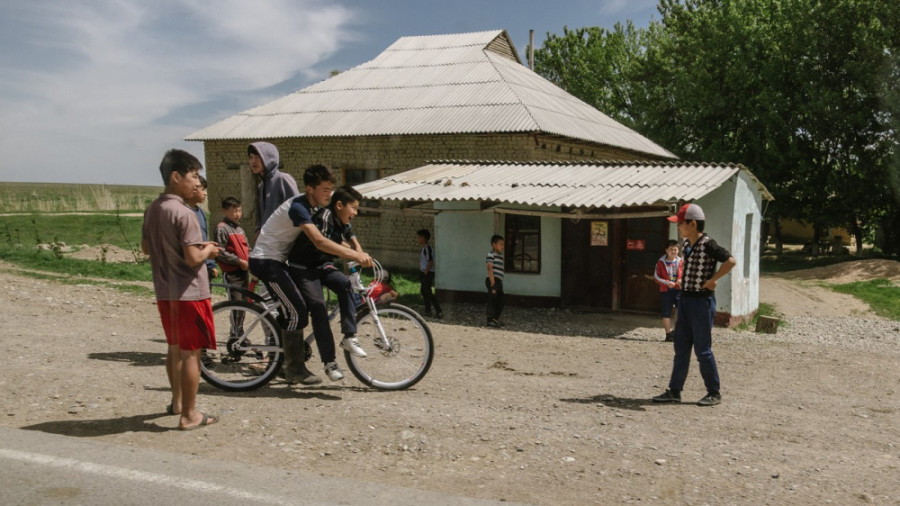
(803,92)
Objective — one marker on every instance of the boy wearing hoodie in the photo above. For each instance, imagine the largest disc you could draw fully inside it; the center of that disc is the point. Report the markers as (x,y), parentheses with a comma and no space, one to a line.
(275,186)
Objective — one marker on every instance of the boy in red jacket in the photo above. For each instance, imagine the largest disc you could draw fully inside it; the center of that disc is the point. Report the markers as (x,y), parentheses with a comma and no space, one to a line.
(668,274)
(234,252)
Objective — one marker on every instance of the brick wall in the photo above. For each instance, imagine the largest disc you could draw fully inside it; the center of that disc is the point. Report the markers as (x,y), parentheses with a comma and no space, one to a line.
(391,236)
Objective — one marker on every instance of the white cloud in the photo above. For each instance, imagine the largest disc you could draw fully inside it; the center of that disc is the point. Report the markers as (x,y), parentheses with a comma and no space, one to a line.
(82,83)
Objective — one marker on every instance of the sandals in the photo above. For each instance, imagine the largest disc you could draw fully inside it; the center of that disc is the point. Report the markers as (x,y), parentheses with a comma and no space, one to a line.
(207,420)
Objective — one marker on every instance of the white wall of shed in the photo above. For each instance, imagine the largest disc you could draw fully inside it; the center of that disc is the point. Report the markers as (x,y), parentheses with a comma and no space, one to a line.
(465,240)
(726,211)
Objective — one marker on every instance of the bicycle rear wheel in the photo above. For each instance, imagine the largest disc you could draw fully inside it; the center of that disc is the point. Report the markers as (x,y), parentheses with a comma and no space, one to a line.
(248,350)
(406,357)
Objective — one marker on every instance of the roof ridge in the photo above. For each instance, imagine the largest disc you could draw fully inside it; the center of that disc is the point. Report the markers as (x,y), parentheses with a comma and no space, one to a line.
(597,162)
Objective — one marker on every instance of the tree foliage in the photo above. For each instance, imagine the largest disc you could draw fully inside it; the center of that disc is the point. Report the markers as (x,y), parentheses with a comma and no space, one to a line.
(804,92)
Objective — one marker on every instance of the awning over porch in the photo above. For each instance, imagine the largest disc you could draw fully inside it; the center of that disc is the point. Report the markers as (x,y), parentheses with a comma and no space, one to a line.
(581,189)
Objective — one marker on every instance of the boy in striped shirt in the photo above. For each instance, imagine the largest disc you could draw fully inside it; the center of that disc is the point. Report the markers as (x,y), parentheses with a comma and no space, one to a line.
(494,281)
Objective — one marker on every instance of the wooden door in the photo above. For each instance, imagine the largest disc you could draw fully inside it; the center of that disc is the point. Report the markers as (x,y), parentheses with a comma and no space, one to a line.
(643,244)
(587,264)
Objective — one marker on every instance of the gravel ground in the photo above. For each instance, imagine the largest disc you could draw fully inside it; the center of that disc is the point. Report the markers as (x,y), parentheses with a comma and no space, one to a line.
(551,409)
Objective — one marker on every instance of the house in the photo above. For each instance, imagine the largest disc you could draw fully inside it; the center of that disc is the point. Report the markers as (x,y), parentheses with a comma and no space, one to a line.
(460,96)
(585,235)
(463,97)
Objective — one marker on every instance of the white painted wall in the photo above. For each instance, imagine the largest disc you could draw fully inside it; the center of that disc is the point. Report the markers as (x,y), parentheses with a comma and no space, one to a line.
(465,240)
(727,209)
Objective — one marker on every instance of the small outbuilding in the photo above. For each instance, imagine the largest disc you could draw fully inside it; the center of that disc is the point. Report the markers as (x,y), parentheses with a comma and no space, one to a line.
(584,235)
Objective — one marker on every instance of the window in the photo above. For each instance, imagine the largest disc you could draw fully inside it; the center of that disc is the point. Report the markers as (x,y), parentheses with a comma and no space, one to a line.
(523,244)
(355,177)
(748,244)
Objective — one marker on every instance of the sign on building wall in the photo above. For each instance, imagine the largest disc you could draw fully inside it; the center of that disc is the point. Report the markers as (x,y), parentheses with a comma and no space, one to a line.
(599,233)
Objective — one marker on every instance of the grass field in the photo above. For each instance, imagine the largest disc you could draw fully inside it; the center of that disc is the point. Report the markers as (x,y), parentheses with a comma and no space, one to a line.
(29,230)
(59,197)
(881,294)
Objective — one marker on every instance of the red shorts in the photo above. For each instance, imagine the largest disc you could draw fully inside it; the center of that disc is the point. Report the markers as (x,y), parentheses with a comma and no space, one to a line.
(188,323)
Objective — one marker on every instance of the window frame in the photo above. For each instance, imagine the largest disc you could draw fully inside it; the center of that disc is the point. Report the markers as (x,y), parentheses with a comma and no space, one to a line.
(516,233)
(366,203)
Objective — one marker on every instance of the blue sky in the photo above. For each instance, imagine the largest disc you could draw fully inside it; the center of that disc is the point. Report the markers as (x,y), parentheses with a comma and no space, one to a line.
(95,91)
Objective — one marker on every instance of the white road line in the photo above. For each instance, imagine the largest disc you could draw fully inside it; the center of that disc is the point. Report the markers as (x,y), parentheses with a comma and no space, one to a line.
(133,475)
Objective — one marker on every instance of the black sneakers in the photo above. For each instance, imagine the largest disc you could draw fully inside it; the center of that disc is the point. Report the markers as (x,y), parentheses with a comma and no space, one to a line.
(668,396)
(711,399)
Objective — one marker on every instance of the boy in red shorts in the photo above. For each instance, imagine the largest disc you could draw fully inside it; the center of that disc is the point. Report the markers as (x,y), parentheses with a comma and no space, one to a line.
(171,237)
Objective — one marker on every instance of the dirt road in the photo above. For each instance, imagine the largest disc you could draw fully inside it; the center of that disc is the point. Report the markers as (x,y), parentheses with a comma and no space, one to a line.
(543,411)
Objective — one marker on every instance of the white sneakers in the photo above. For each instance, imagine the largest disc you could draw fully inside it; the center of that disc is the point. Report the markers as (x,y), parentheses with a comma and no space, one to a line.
(333,371)
(351,344)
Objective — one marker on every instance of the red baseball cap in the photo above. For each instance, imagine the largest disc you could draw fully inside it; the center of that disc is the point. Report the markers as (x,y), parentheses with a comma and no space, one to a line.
(688,212)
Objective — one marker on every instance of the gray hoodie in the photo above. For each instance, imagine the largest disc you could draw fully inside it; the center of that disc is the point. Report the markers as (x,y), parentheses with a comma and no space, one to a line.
(276,186)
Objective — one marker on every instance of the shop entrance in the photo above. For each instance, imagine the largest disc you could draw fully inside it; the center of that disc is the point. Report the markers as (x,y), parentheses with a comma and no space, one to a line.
(606,264)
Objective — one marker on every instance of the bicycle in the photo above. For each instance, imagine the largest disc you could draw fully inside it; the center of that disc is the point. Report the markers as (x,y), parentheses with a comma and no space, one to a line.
(249,350)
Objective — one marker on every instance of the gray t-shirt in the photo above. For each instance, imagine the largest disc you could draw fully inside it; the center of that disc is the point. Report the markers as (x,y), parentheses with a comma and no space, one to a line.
(170,226)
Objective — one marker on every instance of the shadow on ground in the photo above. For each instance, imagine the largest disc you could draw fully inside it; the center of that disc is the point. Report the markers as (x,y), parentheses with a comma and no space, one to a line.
(105,427)
(136,358)
(614,401)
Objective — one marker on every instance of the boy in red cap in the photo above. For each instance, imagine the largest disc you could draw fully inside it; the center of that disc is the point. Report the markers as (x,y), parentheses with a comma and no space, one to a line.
(698,305)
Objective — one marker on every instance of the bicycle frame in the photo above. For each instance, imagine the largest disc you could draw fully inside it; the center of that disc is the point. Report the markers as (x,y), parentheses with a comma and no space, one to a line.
(271,305)
(250,348)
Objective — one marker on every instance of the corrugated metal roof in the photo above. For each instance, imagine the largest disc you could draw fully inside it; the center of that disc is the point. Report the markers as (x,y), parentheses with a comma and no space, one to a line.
(438,84)
(581,185)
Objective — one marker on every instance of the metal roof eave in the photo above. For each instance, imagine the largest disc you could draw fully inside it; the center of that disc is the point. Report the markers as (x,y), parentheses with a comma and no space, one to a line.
(593,189)
(658,209)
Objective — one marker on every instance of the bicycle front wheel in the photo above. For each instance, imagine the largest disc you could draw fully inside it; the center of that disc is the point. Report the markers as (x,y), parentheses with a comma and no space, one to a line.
(248,350)
(397,359)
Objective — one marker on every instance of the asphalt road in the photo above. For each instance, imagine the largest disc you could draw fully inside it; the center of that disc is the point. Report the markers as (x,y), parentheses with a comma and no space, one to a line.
(42,468)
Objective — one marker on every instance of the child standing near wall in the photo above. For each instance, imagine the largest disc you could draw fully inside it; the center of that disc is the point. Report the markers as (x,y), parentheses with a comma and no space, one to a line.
(426,274)
(494,281)
(668,273)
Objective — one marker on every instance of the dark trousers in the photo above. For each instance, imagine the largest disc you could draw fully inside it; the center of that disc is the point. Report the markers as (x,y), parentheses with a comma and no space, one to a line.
(426,290)
(310,282)
(239,278)
(694,330)
(278,281)
(495,298)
